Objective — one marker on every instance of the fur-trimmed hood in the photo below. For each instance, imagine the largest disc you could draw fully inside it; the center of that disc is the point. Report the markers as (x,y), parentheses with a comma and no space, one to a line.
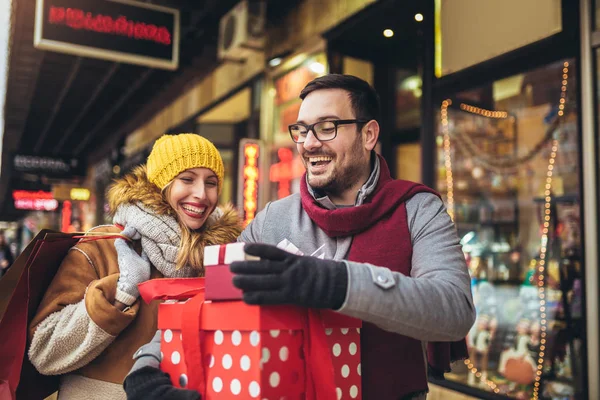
(223,226)
(135,187)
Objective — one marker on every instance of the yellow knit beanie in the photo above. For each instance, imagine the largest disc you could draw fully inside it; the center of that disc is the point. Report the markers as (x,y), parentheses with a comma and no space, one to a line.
(173,154)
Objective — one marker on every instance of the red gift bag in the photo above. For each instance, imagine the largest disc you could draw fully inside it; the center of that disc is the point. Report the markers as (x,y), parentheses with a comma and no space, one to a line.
(230,349)
(21,291)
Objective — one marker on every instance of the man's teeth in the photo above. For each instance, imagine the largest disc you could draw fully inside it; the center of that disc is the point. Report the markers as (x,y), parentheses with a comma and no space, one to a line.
(193,209)
(318,159)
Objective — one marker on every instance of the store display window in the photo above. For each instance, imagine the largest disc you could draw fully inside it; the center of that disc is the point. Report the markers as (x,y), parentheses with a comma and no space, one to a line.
(285,166)
(508,169)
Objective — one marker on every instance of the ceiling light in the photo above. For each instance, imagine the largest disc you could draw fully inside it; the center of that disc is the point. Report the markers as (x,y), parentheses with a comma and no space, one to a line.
(388,33)
(275,62)
(418,17)
(317,67)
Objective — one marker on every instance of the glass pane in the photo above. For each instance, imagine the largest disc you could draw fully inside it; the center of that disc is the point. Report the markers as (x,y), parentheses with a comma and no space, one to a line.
(509,170)
(408,99)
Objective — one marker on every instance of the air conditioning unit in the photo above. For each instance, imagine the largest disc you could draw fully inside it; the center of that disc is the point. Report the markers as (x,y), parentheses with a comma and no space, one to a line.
(242,30)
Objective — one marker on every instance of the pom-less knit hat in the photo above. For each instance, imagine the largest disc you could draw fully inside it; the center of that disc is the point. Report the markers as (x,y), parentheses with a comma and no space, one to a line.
(173,154)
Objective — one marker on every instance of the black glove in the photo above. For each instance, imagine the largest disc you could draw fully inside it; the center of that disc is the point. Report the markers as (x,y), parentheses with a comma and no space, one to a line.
(149,383)
(284,278)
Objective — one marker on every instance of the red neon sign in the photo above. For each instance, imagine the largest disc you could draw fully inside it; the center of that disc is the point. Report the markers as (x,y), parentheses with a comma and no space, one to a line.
(39,201)
(66,216)
(250,177)
(77,19)
(285,171)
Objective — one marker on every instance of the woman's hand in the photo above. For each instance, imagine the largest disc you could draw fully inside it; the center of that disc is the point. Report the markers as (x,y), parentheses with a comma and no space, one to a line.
(134,269)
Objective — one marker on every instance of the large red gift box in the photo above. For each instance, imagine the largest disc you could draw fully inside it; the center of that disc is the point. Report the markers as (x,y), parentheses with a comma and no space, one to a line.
(231,350)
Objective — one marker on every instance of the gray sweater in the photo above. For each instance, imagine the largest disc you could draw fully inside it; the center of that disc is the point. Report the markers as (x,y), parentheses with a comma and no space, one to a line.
(434,303)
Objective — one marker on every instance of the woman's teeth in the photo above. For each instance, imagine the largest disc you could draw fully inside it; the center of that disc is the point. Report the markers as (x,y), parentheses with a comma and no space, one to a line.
(195,210)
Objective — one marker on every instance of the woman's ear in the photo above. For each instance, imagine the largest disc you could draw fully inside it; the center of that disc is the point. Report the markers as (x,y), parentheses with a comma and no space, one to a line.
(370,134)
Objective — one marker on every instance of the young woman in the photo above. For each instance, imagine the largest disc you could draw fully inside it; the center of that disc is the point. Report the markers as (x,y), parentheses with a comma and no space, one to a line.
(90,321)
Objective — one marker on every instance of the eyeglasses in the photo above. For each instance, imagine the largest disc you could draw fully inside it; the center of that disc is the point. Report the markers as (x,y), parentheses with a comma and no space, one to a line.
(323,130)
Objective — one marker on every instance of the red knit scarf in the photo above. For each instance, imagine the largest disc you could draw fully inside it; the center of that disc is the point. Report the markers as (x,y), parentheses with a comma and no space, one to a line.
(392,364)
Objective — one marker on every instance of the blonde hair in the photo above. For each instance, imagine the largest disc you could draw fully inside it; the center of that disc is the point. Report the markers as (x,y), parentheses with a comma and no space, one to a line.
(190,251)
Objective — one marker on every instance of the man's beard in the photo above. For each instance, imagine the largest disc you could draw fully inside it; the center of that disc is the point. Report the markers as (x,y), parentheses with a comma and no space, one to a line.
(341,178)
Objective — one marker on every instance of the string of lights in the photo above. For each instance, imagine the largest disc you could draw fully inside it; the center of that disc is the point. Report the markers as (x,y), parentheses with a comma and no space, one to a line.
(544,241)
(483,112)
(541,268)
(447,158)
(506,163)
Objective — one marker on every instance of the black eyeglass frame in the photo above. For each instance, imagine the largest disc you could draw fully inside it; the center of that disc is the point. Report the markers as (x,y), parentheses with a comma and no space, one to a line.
(335,122)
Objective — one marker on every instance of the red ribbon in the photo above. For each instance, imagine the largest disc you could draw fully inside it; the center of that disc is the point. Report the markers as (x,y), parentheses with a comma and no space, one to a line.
(192,348)
(170,288)
(222,250)
(320,382)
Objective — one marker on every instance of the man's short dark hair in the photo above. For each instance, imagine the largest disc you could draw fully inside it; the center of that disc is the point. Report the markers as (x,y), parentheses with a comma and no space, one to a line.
(364,99)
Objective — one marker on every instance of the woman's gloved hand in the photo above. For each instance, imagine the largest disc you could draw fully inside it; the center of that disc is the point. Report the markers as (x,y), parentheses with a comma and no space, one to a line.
(133,268)
(145,381)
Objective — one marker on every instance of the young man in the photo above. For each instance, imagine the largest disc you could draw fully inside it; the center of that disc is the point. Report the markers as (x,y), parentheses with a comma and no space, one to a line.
(381,250)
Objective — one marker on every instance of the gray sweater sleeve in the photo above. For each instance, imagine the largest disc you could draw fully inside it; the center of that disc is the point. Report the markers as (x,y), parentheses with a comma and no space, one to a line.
(434,303)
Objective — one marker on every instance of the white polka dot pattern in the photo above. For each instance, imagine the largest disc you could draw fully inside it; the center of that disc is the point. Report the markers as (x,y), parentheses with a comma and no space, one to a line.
(227,361)
(256,365)
(175,357)
(284,353)
(217,384)
(236,338)
(254,389)
(345,350)
(235,387)
(274,379)
(245,363)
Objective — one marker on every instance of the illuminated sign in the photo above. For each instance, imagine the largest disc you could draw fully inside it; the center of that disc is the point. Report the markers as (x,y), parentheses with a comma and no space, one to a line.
(80,194)
(249,168)
(290,85)
(66,216)
(115,30)
(285,171)
(56,167)
(29,200)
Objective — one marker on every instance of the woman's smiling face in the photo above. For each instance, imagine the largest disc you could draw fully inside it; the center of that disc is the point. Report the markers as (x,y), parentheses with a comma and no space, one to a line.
(194,194)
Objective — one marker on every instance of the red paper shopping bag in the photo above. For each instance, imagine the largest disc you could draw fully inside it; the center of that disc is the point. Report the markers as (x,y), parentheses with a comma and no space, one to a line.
(21,291)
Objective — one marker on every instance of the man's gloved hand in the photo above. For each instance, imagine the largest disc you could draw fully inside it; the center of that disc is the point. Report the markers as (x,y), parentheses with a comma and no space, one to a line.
(280,277)
(133,268)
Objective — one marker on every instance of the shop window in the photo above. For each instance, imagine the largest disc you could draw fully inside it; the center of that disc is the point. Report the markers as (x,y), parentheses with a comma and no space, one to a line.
(509,172)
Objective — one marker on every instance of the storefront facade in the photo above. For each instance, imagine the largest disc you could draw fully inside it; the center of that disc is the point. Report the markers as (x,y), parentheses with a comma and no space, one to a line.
(515,162)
